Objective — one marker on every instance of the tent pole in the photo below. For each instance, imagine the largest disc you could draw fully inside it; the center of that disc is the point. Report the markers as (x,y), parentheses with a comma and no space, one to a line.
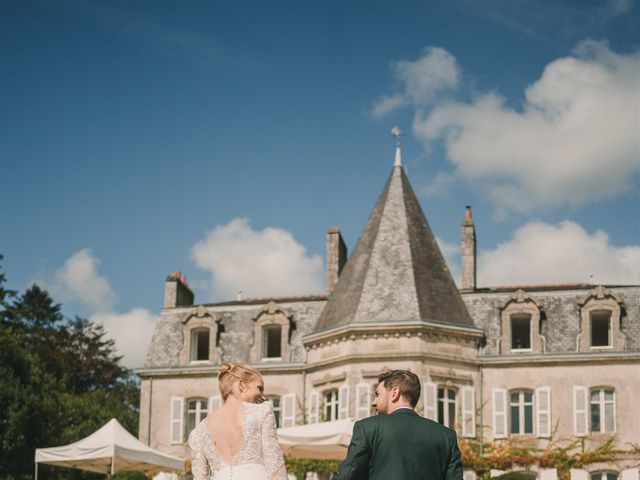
(36,477)
(113,465)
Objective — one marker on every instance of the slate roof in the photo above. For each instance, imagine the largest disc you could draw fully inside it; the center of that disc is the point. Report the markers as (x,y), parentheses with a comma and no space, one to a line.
(396,271)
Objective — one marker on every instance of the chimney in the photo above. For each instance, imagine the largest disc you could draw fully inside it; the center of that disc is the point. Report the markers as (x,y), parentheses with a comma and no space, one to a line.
(468,251)
(336,256)
(177,292)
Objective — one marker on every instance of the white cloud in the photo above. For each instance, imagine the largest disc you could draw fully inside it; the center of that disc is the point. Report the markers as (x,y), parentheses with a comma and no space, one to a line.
(260,263)
(435,72)
(440,185)
(540,253)
(614,8)
(78,279)
(574,141)
(131,331)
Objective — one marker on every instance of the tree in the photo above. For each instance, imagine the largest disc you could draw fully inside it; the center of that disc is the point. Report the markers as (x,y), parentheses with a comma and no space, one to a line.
(60,380)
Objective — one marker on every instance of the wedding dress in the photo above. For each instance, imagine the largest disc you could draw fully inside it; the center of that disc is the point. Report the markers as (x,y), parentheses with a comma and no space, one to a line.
(259,458)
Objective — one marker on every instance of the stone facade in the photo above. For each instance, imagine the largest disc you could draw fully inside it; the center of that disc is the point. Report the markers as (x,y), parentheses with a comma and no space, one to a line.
(527,362)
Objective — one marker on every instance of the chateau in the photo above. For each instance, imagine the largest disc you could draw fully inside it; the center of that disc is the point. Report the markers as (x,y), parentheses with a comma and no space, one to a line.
(519,362)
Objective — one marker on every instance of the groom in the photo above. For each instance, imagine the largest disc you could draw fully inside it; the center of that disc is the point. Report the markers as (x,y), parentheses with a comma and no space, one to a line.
(398,443)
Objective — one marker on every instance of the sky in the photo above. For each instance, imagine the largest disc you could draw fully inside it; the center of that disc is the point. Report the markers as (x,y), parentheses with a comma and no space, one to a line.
(222,138)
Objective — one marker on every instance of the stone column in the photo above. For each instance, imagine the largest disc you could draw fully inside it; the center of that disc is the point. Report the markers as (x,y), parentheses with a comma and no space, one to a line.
(336,256)
(468,251)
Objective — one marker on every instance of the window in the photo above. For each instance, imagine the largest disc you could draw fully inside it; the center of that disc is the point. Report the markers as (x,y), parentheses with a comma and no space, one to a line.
(520,332)
(601,328)
(272,331)
(604,476)
(603,410)
(521,412)
(200,345)
(276,409)
(331,405)
(196,412)
(271,341)
(447,407)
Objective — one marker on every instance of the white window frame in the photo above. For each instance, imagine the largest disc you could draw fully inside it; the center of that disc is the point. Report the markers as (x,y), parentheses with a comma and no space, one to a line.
(602,403)
(447,405)
(199,412)
(331,404)
(522,405)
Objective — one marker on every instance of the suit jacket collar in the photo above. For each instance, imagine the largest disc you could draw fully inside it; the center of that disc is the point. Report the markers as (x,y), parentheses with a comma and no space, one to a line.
(404,411)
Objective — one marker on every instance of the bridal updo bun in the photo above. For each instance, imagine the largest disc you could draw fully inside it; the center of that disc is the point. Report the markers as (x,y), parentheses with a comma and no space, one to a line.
(230,373)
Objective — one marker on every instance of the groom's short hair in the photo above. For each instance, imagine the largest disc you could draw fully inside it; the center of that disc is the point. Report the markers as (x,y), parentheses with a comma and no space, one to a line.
(408,383)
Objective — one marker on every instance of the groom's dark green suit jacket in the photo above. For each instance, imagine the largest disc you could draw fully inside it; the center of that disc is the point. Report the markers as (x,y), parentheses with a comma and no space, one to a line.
(401,446)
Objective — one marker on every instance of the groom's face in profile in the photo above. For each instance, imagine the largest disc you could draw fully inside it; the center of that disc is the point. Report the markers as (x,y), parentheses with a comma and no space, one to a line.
(381,399)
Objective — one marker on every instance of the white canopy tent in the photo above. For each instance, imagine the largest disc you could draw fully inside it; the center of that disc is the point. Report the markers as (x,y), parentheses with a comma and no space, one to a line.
(109,449)
(325,440)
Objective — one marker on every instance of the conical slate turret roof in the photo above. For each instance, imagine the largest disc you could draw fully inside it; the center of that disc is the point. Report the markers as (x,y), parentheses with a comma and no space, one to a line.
(396,271)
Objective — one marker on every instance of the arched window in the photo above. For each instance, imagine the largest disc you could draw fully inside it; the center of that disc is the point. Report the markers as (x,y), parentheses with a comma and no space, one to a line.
(520,325)
(272,331)
(196,412)
(521,412)
(600,315)
(604,476)
(199,332)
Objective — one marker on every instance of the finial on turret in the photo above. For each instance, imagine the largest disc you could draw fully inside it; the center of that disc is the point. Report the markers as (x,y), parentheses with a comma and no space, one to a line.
(396,132)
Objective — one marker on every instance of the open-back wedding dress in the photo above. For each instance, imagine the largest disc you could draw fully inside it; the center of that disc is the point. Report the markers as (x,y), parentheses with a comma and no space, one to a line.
(259,458)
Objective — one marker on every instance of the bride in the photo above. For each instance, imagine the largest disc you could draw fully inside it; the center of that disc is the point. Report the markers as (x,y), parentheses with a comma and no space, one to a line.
(239,440)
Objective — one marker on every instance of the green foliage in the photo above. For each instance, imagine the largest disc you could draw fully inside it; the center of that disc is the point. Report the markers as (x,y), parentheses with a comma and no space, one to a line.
(60,380)
(300,466)
(509,454)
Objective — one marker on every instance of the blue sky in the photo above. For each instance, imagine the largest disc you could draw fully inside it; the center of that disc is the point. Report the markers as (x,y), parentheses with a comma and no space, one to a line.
(221,139)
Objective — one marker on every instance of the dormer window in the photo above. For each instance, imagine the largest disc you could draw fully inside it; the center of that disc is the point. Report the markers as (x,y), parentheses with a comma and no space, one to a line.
(200,328)
(271,341)
(601,328)
(271,335)
(521,332)
(600,315)
(200,344)
(520,325)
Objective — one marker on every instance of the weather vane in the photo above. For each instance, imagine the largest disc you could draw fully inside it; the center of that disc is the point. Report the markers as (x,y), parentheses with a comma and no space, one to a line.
(396,132)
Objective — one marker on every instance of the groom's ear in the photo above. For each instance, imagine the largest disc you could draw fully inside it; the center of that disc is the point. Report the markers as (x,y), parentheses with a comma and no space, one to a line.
(395,394)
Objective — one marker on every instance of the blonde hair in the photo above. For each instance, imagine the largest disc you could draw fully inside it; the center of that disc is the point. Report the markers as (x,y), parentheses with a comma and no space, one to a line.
(230,373)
